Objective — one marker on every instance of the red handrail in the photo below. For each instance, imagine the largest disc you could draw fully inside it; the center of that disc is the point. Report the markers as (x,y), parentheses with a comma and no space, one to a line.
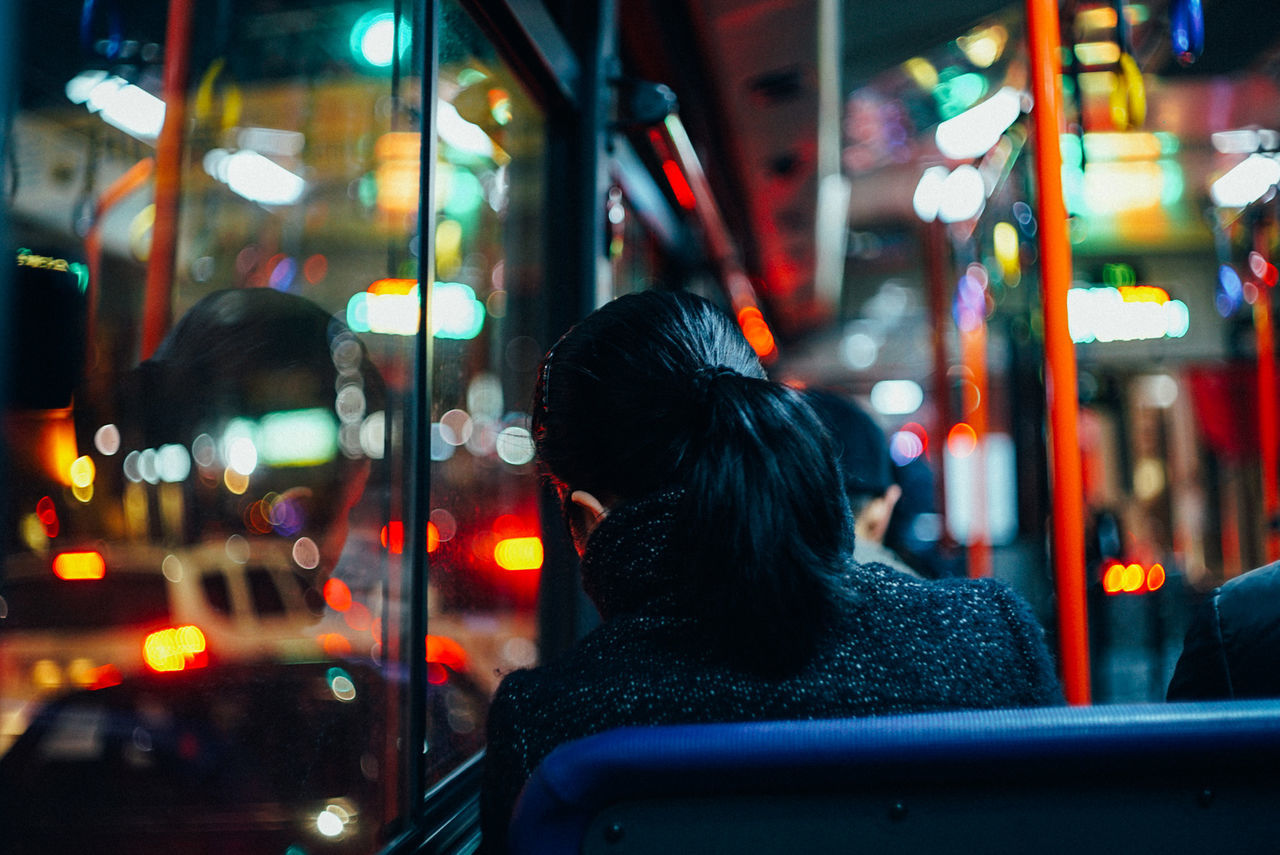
(157,302)
(1060,359)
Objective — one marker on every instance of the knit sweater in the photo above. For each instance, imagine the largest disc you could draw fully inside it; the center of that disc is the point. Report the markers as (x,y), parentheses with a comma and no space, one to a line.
(904,645)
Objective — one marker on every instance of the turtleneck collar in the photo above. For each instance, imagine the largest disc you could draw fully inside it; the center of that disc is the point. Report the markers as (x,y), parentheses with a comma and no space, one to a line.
(629,565)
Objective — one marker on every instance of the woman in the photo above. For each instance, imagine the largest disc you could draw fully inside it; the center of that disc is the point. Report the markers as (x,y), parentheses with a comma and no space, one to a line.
(715,541)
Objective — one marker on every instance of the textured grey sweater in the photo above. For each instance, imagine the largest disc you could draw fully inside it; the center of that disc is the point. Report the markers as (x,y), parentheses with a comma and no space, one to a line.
(904,645)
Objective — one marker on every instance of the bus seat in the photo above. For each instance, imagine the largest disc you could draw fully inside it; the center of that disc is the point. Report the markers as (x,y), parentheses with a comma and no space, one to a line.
(1175,778)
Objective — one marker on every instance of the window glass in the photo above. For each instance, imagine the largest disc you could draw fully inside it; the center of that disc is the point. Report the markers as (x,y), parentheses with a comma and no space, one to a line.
(214,363)
(484,531)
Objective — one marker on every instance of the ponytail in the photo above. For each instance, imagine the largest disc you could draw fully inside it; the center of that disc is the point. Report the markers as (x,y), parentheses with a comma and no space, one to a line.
(767,530)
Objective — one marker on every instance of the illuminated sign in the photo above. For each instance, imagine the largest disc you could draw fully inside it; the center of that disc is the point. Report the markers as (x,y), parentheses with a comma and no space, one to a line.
(390,306)
(26,258)
(1126,313)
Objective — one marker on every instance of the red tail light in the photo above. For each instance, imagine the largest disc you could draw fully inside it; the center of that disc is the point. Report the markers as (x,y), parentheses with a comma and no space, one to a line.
(175,648)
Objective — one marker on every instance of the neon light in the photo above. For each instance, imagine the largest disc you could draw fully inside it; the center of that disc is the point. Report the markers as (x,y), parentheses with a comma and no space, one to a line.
(679,184)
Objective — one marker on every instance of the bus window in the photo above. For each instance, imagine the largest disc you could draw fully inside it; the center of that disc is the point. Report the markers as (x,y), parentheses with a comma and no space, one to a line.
(484,532)
(210,434)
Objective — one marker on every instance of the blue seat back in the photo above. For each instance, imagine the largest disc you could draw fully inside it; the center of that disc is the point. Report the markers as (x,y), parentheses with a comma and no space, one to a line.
(1176,778)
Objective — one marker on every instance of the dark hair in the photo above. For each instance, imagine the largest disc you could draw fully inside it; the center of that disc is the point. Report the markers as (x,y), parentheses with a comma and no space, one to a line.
(865,465)
(660,389)
(253,351)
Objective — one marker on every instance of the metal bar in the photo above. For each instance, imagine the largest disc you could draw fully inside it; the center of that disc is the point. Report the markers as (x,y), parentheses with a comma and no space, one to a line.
(158,300)
(834,189)
(1044,42)
(427,15)
(1268,423)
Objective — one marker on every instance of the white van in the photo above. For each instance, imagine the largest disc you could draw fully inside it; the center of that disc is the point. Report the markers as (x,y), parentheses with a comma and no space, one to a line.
(93,616)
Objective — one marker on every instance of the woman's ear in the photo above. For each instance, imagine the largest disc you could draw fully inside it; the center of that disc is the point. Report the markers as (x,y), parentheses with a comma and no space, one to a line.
(583,511)
(595,510)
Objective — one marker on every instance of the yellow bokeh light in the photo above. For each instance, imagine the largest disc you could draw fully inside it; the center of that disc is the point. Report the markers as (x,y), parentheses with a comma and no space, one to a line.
(46,674)
(922,72)
(82,471)
(518,553)
(235,482)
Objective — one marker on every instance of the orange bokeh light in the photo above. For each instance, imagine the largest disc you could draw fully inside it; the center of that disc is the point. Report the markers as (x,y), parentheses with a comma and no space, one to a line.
(962,439)
(1113,579)
(337,595)
(335,644)
(444,650)
(393,537)
(1133,578)
(397,287)
(756,331)
(1155,577)
(175,649)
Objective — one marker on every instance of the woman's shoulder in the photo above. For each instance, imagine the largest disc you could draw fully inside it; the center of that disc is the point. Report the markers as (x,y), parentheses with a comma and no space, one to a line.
(968,622)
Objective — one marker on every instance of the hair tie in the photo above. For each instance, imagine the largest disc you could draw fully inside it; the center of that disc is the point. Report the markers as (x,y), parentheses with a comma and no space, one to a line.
(703,378)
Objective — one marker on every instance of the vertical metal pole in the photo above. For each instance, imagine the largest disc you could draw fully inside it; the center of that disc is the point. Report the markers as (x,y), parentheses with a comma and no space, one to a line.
(157,302)
(427,21)
(1268,423)
(834,188)
(1044,40)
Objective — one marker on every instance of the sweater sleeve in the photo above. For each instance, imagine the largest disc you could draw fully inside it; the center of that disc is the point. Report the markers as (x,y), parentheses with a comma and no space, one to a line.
(505,765)
(1042,686)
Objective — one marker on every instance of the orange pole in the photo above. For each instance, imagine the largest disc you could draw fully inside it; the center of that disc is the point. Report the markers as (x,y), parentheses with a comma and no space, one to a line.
(1268,424)
(934,244)
(973,348)
(133,178)
(157,301)
(1044,42)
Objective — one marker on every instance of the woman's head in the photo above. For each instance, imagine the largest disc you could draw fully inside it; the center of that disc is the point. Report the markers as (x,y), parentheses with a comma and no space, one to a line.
(658,390)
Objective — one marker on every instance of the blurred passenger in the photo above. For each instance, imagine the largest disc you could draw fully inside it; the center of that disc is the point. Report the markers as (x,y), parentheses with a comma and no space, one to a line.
(1232,646)
(716,543)
(867,473)
(260,357)
(916,529)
